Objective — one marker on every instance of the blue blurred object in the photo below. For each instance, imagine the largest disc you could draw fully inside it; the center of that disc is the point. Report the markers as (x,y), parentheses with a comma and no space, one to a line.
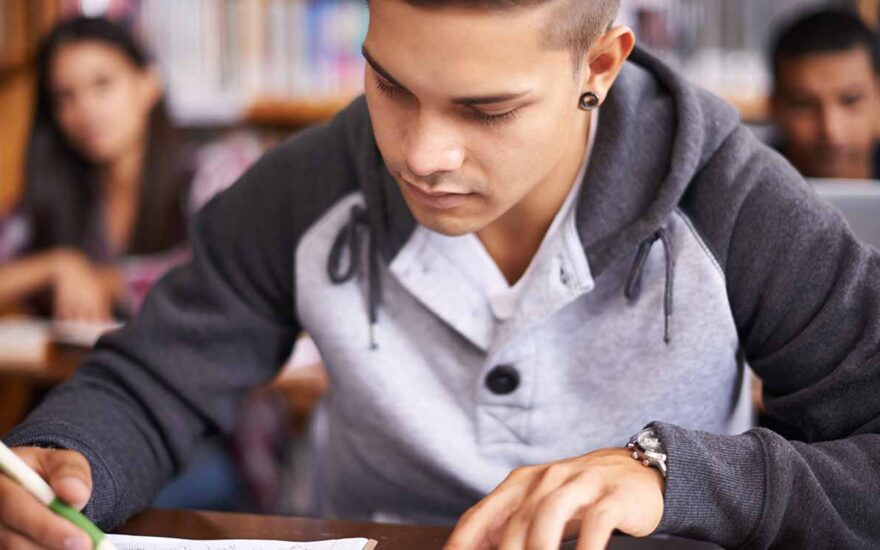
(210,483)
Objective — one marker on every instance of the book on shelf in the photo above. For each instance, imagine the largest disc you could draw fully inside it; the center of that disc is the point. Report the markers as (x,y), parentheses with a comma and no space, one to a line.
(220,58)
(721,45)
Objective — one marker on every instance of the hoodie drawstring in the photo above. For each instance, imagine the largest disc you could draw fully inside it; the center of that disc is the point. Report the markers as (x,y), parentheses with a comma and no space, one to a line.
(349,239)
(633,286)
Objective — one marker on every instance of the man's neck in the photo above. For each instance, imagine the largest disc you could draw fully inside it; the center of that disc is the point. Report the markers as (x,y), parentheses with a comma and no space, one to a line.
(513,240)
(121,181)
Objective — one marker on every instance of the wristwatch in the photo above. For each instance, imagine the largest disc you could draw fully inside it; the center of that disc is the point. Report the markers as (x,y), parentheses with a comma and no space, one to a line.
(647,448)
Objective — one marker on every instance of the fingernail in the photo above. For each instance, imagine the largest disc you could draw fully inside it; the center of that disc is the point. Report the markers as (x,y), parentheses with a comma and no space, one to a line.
(77,543)
(73,488)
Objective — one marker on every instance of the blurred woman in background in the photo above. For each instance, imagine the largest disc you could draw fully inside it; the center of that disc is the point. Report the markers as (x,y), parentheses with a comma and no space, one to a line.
(107,180)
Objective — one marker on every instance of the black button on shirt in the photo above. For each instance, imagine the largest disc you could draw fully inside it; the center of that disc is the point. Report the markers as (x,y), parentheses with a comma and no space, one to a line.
(502,379)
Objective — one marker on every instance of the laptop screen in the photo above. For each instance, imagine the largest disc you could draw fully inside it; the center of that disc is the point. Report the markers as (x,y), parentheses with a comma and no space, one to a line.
(858,201)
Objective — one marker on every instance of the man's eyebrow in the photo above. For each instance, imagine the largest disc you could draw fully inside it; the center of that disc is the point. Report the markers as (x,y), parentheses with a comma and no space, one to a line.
(489,99)
(378,68)
(475,100)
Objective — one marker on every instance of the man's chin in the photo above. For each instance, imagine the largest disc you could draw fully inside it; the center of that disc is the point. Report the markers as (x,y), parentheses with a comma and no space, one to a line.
(450,229)
(831,168)
(448,225)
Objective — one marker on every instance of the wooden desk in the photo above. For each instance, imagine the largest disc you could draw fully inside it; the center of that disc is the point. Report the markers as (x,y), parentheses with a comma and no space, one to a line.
(19,381)
(301,388)
(61,362)
(215,525)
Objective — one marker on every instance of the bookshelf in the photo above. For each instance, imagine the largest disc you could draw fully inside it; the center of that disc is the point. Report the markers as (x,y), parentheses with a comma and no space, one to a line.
(734,32)
(259,112)
(273,62)
(722,44)
(22,22)
(225,63)
(284,64)
(293,113)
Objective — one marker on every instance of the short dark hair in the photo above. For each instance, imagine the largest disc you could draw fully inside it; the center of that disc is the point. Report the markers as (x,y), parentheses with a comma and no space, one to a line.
(823,31)
(576,25)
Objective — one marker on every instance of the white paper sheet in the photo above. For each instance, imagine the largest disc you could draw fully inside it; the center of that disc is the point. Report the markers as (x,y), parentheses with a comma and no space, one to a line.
(24,341)
(128,542)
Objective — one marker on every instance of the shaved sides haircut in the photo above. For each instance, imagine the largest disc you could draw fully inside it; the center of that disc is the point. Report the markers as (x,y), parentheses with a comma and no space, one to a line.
(574,26)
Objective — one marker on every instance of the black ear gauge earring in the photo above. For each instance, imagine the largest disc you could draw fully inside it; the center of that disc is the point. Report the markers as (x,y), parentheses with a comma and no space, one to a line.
(588,101)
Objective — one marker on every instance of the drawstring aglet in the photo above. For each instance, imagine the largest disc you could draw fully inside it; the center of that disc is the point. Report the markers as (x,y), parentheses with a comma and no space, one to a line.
(666,338)
(374,330)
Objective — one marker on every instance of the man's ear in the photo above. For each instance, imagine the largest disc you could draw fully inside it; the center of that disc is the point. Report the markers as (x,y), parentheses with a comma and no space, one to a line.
(605,58)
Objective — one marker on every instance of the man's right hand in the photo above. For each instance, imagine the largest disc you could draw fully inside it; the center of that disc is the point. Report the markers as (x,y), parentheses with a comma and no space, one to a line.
(26,523)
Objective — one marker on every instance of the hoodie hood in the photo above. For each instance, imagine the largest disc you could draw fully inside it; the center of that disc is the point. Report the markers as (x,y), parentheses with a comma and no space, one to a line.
(655,134)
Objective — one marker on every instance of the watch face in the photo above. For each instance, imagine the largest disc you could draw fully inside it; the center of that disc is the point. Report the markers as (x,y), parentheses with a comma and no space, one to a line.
(650,442)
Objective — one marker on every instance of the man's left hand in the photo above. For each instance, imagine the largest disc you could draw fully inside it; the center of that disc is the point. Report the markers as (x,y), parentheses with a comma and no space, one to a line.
(589,497)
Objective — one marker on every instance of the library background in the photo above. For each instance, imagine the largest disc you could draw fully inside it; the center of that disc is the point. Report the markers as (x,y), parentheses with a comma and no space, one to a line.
(279,65)
(252,72)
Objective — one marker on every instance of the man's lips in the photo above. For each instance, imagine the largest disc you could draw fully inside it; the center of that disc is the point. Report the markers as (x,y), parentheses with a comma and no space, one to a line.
(436,198)
(433,192)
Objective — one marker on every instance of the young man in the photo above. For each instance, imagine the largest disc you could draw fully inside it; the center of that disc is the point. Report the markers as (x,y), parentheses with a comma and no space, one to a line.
(825,96)
(506,283)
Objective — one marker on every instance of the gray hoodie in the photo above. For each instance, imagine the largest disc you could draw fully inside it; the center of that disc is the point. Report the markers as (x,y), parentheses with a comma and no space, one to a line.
(692,252)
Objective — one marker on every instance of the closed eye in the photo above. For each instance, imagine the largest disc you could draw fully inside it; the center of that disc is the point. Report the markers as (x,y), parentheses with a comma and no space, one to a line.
(388,89)
(493,119)
(484,118)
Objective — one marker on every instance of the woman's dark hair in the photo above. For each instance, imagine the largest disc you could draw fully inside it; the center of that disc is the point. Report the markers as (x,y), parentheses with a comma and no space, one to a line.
(61,191)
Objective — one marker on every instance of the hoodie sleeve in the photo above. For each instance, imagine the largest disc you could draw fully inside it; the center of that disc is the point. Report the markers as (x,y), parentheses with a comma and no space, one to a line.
(208,332)
(805,296)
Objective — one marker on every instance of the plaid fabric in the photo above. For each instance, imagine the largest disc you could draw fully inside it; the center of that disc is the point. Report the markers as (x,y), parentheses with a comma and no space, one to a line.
(220,164)
(141,272)
(15,235)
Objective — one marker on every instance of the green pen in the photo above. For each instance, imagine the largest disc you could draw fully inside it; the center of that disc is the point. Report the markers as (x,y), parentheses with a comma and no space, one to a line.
(14,467)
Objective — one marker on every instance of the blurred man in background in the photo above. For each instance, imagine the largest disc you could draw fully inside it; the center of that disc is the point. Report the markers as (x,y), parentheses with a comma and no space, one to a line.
(824,99)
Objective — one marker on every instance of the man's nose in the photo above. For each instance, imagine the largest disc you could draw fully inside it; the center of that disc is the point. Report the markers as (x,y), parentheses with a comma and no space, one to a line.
(432,145)
(832,126)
